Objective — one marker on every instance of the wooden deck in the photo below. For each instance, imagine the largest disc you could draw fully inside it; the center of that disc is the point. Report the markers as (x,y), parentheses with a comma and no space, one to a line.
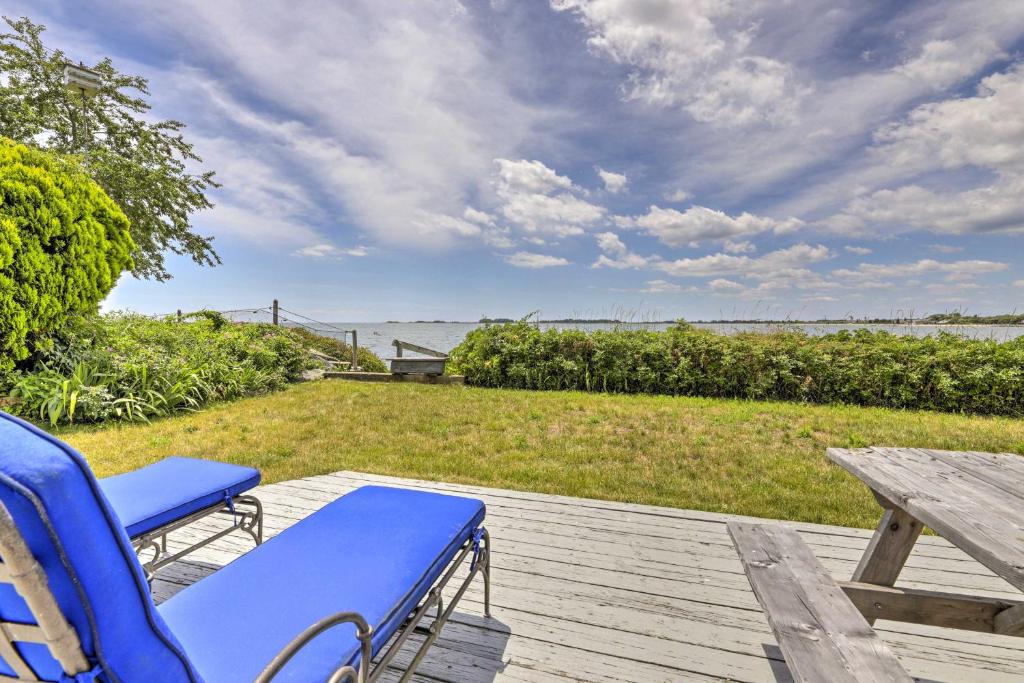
(588,590)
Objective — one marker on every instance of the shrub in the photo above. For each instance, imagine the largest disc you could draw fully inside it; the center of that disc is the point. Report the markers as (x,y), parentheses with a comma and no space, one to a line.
(945,372)
(123,366)
(63,244)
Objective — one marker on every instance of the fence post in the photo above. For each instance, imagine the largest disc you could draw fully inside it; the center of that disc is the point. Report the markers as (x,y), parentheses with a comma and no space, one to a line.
(355,351)
(274,311)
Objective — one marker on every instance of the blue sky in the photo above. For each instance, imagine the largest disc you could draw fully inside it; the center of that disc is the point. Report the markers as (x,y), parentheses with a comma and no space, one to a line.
(696,158)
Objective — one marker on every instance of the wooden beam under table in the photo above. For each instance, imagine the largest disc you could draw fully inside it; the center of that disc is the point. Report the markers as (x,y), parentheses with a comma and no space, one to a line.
(932,608)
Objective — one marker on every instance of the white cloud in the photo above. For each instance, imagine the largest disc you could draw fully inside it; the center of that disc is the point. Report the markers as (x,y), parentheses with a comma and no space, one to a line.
(780,269)
(613,182)
(720,285)
(616,255)
(742,247)
(525,259)
(954,270)
(623,262)
(679,56)
(986,130)
(676,196)
(950,289)
(610,243)
(665,287)
(538,200)
(995,208)
(255,203)
(329,251)
(429,224)
(365,116)
(790,261)
(498,238)
(860,251)
(477,216)
(821,163)
(529,177)
(945,248)
(698,223)
(942,63)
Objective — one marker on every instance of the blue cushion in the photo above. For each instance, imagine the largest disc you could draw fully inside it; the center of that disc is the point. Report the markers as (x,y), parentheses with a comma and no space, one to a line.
(74,534)
(375,551)
(166,491)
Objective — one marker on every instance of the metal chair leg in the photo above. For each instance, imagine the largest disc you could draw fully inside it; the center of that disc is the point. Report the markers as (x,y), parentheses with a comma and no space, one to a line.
(485,568)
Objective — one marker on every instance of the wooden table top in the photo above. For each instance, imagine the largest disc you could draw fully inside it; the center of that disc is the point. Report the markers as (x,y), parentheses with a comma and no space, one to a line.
(974,500)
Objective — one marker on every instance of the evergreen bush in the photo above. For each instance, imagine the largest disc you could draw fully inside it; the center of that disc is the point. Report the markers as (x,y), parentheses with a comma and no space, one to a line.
(63,244)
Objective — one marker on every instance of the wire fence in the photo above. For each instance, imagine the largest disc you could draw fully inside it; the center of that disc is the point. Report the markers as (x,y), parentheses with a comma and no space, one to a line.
(275,314)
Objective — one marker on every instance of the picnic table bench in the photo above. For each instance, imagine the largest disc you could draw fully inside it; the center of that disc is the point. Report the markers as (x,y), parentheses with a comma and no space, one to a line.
(974,500)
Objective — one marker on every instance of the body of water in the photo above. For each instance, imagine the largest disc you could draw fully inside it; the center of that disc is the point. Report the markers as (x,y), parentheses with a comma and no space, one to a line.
(445,336)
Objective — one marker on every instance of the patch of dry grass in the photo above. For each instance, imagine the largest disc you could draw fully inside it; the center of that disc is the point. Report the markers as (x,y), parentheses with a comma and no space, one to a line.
(753,458)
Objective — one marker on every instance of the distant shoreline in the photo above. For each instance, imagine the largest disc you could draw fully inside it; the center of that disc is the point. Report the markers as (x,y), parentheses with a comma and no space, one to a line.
(573,321)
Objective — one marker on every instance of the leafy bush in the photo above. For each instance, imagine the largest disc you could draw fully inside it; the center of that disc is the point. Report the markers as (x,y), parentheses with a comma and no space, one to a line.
(124,366)
(63,244)
(336,348)
(945,372)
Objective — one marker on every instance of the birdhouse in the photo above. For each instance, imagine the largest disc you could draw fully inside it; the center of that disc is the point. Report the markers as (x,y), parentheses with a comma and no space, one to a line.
(79,78)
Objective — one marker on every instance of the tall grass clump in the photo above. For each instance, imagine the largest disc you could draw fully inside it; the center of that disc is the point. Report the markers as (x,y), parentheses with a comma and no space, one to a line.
(946,372)
(124,366)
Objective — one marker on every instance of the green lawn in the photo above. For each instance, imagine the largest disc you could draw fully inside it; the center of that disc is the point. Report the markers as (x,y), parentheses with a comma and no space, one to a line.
(763,459)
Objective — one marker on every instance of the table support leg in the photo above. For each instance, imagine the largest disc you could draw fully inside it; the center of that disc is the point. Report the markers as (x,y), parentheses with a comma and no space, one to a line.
(888,551)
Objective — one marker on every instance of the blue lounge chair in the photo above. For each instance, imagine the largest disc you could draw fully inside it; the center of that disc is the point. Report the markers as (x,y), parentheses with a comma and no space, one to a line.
(332,598)
(160,498)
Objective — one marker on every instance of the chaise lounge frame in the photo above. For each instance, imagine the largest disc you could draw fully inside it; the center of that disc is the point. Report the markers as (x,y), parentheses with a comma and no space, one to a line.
(368,671)
(247,516)
(21,569)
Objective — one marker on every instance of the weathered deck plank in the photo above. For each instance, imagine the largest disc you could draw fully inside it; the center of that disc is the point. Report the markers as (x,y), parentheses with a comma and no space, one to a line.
(588,590)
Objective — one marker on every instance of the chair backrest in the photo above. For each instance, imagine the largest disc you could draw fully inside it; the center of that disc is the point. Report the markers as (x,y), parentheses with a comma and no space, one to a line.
(55,518)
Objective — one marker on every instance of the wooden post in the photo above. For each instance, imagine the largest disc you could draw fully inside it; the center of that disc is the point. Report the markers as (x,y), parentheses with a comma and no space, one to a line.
(887,550)
(355,351)
(274,311)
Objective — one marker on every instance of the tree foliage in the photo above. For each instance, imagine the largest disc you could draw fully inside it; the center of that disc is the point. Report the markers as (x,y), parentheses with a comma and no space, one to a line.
(144,166)
(63,244)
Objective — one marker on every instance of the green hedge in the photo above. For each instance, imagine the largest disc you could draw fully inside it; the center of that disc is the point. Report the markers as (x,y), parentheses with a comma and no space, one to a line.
(944,372)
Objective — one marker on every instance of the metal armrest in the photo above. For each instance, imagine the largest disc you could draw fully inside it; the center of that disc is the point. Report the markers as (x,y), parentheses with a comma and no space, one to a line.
(363,631)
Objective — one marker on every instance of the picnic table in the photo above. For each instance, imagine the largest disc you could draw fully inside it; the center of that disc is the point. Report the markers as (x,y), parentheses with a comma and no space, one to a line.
(974,500)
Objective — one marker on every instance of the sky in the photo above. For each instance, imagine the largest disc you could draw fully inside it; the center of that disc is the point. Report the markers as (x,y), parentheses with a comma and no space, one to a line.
(437,159)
